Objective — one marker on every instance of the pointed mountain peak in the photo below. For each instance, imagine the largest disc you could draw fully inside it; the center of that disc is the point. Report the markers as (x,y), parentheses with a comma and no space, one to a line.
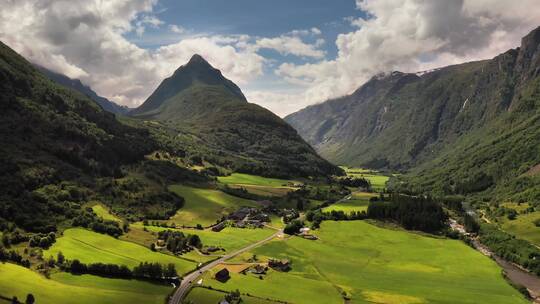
(197,59)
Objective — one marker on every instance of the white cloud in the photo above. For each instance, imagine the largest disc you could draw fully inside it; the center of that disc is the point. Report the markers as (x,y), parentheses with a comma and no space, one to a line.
(176,29)
(399,33)
(85,39)
(290,45)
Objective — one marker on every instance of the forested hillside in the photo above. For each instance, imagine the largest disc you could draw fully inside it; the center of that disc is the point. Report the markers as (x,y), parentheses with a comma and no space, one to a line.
(208,116)
(463,128)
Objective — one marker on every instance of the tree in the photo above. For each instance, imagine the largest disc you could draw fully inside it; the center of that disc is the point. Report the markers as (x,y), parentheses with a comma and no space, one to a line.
(60,258)
(30,299)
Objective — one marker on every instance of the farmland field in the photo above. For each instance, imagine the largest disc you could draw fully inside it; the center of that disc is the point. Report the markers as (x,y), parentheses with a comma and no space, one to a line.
(375,265)
(86,289)
(229,238)
(377,180)
(259,185)
(92,247)
(204,296)
(523,226)
(359,202)
(205,206)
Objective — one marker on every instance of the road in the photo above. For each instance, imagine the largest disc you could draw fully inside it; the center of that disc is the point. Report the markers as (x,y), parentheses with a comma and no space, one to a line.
(191,278)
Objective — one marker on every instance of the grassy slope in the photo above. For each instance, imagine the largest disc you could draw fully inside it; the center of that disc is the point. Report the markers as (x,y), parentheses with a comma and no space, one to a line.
(359,202)
(205,206)
(377,180)
(204,296)
(86,289)
(104,213)
(248,179)
(378,265)
(91,247)
(257,184)
(229,238)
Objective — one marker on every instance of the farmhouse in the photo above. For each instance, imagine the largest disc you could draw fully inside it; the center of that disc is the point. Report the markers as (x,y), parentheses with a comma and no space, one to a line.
(223,275)
(258,269)
(219,227)
(281,265)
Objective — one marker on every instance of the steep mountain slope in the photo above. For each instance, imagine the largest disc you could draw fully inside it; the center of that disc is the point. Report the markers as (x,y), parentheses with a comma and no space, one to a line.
(214,120)
(77,85)
(59,149)
(474,124)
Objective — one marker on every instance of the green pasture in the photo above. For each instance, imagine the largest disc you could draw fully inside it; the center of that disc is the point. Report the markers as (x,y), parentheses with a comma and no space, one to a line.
(104,213)
(200,295)
(259,185)
(523,226)
(377,180)
(205,206)
(92,247)
(248,179)
(359,201)
(230,238)
(85,289)
(376,265)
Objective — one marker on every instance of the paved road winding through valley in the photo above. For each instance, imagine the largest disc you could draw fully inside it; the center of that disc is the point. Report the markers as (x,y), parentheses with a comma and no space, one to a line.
(189,279)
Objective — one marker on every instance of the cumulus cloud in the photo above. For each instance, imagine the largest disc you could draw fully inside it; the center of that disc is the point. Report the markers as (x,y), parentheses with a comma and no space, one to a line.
(400,35)
(291,45)
(176,29)
(85,39)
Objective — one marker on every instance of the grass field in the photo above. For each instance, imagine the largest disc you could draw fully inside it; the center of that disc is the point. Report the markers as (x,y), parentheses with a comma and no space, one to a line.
(377,180)
(206,296)
(104,213)
(376,265)
(92,247)
(86,289)
(359,202)
(229,238)
(205,206)
(259,185)
(523,226)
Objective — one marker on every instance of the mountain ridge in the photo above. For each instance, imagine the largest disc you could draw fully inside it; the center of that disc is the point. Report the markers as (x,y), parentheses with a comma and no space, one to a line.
(79,86)
(407,121)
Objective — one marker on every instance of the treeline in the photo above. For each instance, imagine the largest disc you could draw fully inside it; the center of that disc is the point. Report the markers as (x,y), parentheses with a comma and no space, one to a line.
(510,248)
(177,241)
(42,240)
(357,182)
(13,256)
(413,213)
(317,216)
(88,219)
(147,271)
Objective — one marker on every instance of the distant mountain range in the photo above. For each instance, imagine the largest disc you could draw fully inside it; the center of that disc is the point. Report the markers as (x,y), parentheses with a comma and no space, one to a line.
(461,128)
(219,124)
(77,85)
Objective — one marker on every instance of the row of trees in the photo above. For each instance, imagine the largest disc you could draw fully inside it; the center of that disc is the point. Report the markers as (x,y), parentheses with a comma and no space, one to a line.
(88,219)
(13,256)
(146,270)
(177,241)
(42,240)
(413,213)
(316,217)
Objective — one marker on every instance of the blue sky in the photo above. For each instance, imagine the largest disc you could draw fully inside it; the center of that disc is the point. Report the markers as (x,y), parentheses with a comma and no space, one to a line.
(284,55)
(253,18)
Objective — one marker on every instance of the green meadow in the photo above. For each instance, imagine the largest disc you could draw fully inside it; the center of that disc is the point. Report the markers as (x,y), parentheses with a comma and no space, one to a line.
(104,213)
(369,264)
(85,289)
(248,179)
(230,238)
(259,185)
(205,206)
(377,179)
(200,295)
(359,201)
(523,226)
(92,247)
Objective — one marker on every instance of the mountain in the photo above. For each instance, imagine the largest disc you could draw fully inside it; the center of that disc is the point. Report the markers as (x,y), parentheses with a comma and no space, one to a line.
(77,85)
(461,128)
(60,150)
(215,122)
